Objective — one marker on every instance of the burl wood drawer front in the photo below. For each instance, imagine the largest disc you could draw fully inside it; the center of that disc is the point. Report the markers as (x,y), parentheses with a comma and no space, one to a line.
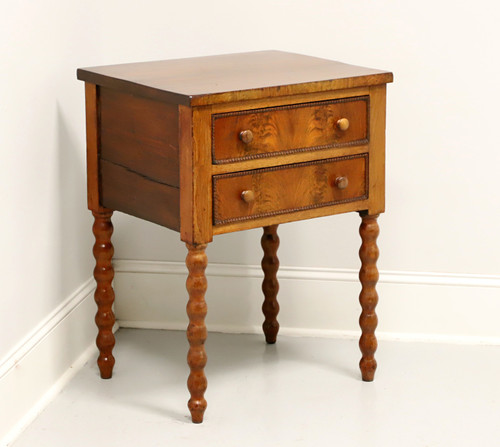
(283,189)
(246,135)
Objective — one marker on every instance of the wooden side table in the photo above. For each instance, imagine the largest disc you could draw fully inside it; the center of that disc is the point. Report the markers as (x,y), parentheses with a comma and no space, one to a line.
(210,145)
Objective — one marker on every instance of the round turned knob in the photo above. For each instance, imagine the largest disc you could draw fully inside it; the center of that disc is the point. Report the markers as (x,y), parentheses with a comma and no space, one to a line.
(246,136)
(341,182)
(343,124)
(248,196)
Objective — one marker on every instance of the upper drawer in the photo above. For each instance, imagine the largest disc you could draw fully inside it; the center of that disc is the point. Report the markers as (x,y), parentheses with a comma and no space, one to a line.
(251,134)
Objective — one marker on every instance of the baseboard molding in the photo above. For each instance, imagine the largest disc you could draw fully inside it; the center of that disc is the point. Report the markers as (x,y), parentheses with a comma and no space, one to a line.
(65,339)
(47,397)
(310,274)
(414,306)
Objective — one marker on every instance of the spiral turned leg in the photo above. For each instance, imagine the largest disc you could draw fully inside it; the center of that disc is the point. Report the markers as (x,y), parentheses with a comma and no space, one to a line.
(270,286)
(196,284)
(368,297)
(104,294)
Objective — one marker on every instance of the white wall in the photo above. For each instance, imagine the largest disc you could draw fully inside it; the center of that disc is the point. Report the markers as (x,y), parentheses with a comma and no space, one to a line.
(44,226)
(443,157)
(443,154)
(45,239)
(443,150)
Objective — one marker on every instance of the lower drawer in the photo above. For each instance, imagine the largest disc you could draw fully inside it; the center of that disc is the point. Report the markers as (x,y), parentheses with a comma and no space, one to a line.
(284,189)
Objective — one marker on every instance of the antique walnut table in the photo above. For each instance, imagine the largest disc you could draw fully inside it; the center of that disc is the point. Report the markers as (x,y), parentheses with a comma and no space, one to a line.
(210,145)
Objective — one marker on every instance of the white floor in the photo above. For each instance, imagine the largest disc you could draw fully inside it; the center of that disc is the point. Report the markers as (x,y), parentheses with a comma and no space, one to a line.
(300,392)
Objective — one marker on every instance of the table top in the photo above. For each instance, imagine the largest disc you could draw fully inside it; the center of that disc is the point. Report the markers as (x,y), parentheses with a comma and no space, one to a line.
(232,77)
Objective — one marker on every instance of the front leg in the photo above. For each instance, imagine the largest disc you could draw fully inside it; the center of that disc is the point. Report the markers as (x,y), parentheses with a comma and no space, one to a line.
(196,284)
(368,297)
(104,294)
(270,286)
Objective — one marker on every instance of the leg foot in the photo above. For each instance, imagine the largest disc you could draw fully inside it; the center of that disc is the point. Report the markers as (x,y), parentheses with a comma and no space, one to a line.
(104,294)
(368,297)
(270,286)
(196,284)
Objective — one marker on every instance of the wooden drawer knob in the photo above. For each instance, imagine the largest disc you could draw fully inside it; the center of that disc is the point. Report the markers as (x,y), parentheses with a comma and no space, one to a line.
(248,196)
(343,124)
(341,182)
(246,136)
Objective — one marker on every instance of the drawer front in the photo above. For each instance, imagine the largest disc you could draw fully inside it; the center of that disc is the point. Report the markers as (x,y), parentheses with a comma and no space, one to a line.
(267,192)
(247,135)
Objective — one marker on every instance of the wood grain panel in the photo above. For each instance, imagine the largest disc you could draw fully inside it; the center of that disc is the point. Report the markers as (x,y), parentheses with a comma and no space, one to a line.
(140,134)
(134,194)
(289,129)
(232,77)
(285,189)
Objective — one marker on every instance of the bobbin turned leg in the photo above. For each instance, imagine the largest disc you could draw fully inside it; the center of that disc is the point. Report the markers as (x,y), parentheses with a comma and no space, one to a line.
(196,284)
(104,294)
(368,297)
(270,286)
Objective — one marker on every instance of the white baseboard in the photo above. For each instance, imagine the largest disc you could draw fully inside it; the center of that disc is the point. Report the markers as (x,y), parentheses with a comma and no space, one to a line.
(319,302)
(37,368)
(308,273)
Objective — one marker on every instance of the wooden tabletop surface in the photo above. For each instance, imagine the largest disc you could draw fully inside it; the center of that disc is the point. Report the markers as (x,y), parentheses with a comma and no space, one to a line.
(232,77)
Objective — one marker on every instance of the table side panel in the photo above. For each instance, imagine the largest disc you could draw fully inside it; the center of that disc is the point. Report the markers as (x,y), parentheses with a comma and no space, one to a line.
(129,192)
(140,134)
